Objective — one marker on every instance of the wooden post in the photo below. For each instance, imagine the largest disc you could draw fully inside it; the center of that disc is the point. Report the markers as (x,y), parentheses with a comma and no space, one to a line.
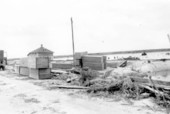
(168,37)
(73,40)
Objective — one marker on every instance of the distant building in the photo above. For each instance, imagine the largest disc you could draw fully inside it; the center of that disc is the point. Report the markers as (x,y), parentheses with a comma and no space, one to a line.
(41,52)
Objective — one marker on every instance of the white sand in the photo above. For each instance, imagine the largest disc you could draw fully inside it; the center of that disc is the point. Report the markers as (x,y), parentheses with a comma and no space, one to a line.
(23,97)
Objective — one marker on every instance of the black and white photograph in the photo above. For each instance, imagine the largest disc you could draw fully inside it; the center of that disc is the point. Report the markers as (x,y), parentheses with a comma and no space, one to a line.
(84,56)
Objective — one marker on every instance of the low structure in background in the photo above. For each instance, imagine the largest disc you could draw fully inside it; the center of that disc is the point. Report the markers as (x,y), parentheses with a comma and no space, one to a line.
(82,59)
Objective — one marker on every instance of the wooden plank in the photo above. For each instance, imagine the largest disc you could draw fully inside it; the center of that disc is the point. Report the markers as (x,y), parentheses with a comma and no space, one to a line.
(24,71)
(94,66)
(62,66)
(146,81)
(38,62)
(152,90)
(166,87)
(123,64)
(68,87)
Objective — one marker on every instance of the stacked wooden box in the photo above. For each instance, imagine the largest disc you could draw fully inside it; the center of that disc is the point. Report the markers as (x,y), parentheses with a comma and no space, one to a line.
(23,67)
(39,67)
(23,70)
(78,58)
(94,62)
(61,65)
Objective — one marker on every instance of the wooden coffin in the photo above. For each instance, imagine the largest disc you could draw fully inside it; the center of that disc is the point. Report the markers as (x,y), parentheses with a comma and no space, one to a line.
(24,71)
(43,73)
(94,66)
(77,62)
(62,65)
(94,59)
(38,62)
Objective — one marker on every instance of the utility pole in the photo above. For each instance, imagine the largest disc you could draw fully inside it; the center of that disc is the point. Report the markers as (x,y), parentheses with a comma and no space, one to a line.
(168,37)
(73,41)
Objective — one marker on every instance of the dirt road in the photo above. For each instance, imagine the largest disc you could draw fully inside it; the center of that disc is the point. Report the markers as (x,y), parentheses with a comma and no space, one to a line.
(23,97)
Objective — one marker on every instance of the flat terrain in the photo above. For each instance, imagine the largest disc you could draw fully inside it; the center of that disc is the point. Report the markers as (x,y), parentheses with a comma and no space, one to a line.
(21,95)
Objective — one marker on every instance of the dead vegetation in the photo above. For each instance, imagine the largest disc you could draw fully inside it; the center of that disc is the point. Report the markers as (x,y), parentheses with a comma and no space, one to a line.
(125,86)
(130,89)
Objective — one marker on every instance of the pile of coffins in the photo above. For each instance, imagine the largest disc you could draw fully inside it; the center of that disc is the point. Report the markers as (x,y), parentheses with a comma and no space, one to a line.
(39,68)
(34,67)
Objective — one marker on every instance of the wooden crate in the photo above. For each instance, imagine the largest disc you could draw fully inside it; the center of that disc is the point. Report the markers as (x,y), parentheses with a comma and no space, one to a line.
(38,62)
(77,62)
(94,59)
(94,66)
(43,73)
(23,70)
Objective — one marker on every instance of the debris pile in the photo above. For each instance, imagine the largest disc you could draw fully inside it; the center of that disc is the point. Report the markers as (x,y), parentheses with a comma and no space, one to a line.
(133,86)
(125,81)
(133,82)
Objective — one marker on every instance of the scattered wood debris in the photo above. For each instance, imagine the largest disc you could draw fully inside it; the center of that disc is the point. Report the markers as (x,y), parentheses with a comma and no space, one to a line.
(130,84)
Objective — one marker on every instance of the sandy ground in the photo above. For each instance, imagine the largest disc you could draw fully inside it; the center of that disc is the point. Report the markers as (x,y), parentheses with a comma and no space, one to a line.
(19,96)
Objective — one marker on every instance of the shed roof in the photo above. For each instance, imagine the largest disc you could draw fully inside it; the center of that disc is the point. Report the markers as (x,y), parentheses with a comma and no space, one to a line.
(41,50)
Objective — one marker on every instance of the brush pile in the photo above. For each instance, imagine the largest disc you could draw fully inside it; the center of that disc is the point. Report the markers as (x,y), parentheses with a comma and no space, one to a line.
(126,82)
(132,87)
(122,82)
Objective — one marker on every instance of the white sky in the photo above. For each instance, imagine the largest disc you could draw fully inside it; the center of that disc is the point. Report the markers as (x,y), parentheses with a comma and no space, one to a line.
(99,25)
